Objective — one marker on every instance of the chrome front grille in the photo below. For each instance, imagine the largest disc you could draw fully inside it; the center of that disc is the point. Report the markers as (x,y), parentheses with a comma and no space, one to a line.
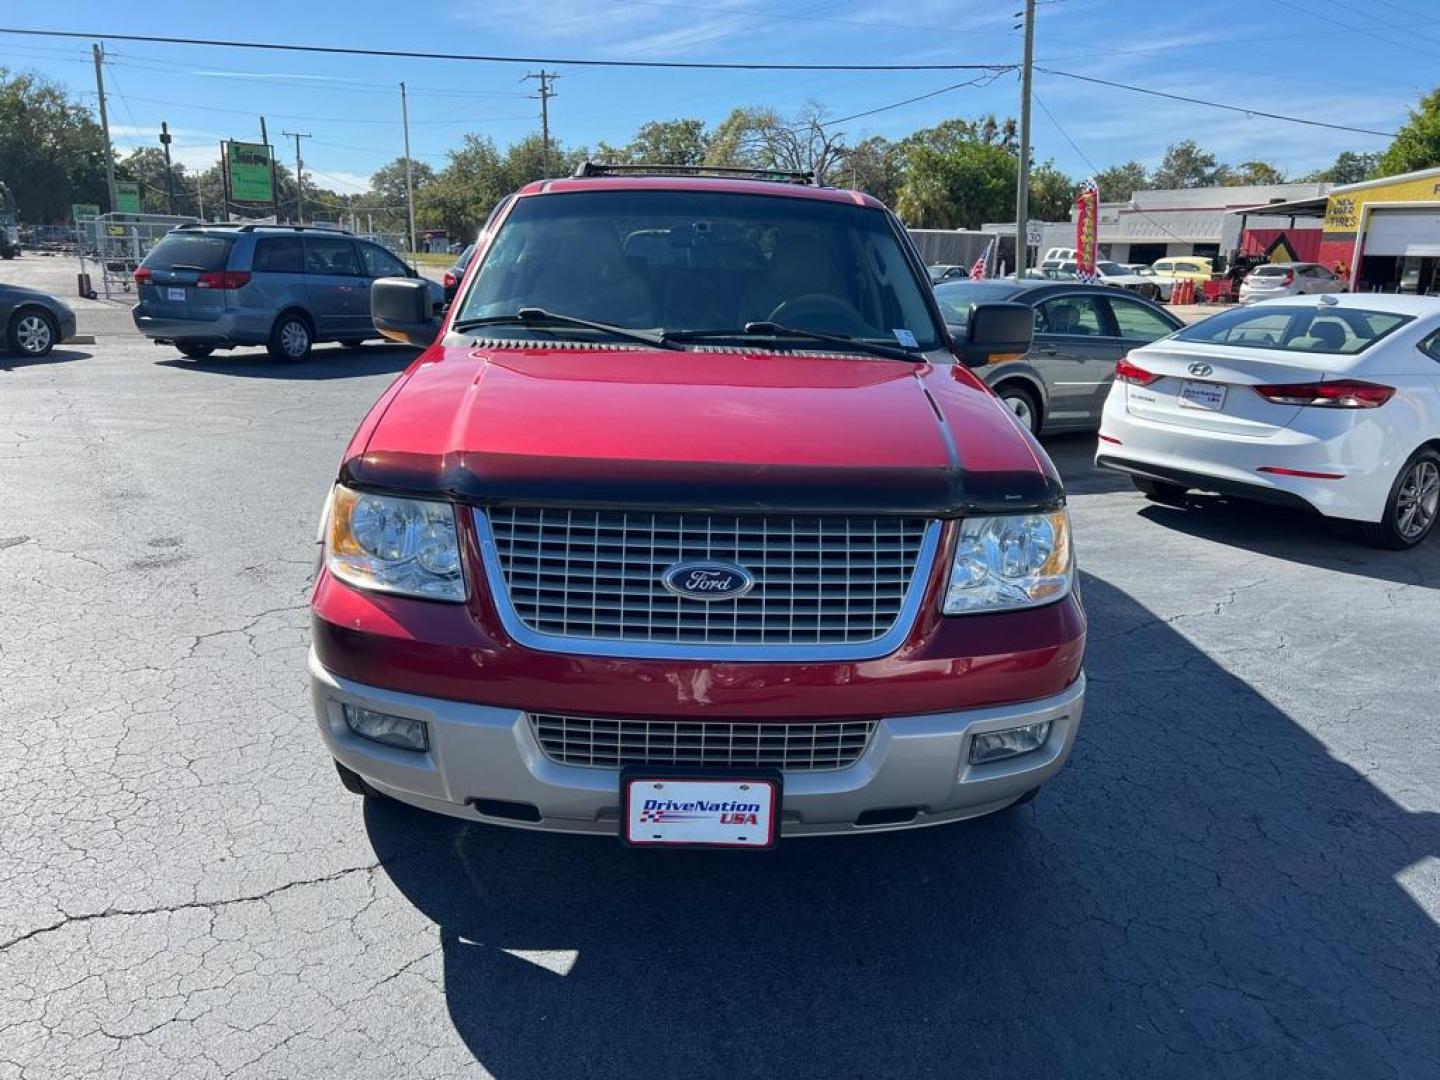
(790,747)
(595,576)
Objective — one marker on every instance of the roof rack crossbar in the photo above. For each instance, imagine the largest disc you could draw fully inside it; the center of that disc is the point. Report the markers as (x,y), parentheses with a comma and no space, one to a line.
(784,176)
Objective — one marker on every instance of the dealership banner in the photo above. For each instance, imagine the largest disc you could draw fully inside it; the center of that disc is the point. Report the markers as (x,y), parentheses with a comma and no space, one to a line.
(1087,226)
(249,168)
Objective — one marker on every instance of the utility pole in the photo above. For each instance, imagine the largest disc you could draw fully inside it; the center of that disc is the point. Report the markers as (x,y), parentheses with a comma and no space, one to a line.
(99,52)
(409,184)
(299,175)
(169,175)
(547,91)
(1022,182)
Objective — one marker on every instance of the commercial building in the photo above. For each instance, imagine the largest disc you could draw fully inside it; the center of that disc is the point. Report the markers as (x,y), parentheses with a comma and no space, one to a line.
(1381,235)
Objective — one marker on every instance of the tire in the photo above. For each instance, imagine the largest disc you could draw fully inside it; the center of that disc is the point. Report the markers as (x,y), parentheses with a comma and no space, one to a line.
(1413,505)
(32,332)
(195,352)
(1022,403)
(291,338)
(352,343)
(1159,491)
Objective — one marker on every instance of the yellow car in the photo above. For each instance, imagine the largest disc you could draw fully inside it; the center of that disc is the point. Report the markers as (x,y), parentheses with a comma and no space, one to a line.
(1185,268)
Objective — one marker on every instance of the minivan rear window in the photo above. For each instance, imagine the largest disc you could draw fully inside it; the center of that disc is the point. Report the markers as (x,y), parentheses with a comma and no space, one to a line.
(1333,330)
(190,251)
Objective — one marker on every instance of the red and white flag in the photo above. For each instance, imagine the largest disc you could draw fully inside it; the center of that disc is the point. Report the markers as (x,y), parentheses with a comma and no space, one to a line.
(980,270)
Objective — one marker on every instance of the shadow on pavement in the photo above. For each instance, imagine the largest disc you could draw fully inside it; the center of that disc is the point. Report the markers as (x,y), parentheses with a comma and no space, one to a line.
(1206,891)
(1297,537)
(17,361)
(1074,457)
(326,362)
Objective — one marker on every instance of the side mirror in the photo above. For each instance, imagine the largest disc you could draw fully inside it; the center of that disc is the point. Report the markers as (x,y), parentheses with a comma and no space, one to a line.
(996,332)
(400,309)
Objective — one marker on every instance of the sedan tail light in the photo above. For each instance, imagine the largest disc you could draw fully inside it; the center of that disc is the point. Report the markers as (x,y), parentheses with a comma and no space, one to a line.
(223,279)
(1289,278)
(143,275)
(1127,372)
(1340,394)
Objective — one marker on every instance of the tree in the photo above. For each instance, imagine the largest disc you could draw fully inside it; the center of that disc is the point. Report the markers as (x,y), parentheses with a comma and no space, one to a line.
(1119,182)
(465,190)
(661,142)
(762,139)
(387,183)
(1052,193)
(1417,145)
(958,187)
(1349,168)
(1187,166)
(52,153)
(874,167)
(146,164)
(1254,172)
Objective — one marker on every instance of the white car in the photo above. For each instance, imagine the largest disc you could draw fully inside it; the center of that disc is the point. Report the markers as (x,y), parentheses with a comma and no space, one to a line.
(1329,404)
(1143,270)
(1288,279)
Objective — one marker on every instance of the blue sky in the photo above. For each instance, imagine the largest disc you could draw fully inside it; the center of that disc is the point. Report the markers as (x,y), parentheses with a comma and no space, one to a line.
(1357,62)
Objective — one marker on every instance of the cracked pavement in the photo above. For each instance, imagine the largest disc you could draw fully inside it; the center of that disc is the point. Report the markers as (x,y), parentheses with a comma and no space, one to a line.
(1238,875)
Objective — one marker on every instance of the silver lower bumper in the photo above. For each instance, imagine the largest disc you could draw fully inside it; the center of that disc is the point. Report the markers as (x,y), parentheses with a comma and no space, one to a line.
(482,753)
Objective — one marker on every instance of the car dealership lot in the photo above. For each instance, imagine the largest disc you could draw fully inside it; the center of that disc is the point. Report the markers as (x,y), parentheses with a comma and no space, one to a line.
(1237,875)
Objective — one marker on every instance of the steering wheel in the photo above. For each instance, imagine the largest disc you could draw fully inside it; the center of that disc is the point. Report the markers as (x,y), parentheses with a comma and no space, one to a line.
(821,312)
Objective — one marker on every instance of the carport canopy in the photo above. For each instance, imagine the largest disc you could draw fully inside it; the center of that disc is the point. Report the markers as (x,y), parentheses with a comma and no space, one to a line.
(1295,208)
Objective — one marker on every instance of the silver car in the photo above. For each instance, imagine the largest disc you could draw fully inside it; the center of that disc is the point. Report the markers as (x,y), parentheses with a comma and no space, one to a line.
(1289,279)
(208,287)
(1080,332)
(33,322)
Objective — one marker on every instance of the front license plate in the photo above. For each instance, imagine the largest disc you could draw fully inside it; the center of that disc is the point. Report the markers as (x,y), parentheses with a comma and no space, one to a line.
(1202,395)
(175,294)
(690,812)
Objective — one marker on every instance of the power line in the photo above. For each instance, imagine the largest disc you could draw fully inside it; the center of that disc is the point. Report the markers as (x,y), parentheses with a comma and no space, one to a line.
(338,50)
(1217,104)
(983,80)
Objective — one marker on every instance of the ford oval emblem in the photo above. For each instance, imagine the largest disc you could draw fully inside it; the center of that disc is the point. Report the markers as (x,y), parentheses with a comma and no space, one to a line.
(706,580)
(1201,369)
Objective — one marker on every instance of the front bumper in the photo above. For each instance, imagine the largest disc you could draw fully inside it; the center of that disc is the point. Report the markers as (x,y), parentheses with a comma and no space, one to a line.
(485,753)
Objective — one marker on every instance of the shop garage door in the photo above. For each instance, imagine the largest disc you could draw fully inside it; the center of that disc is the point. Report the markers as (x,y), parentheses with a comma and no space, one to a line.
(1403,232)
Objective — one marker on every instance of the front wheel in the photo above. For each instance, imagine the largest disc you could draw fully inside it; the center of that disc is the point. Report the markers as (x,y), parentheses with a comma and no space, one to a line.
(1159,491)
(1022,403)
(32,332)
(1413,506)
(195,352)
(290,340)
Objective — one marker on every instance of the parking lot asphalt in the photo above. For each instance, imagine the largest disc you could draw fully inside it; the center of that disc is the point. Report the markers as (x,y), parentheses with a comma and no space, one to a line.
(1238,875)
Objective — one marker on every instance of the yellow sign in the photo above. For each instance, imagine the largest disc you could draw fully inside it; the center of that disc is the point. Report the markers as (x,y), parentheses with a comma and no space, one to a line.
(1342,212)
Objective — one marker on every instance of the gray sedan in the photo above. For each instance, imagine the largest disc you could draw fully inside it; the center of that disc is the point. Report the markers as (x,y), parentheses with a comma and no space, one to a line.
(34,322)
(1080,332)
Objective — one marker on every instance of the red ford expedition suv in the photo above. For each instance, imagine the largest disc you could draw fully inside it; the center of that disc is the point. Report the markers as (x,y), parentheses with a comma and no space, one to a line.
(691,525)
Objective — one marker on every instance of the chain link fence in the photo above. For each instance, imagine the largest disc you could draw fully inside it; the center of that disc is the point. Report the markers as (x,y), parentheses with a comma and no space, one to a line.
(111,246)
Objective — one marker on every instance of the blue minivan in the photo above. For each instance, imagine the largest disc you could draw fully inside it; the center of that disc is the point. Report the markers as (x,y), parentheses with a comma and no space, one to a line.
(206,287)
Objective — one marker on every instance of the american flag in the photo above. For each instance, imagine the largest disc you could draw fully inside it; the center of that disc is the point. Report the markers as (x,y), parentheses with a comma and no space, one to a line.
(979,270)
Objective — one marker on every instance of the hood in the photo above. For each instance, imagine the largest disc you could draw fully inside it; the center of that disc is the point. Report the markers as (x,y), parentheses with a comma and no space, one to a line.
(704,429)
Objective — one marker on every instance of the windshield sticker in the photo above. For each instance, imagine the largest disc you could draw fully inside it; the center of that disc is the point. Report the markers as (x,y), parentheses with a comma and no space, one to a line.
(906,338)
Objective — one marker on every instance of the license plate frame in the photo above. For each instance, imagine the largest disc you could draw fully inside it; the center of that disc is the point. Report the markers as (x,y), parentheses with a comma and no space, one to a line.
(1207,396)
(764,787)
(176,294)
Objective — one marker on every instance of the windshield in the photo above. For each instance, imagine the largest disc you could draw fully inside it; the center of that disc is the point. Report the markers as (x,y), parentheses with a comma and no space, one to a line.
(957,297)
(1324,329)
(190,250)
(687,261)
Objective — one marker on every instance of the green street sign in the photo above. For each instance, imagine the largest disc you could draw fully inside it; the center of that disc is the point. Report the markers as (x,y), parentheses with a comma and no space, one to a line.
(127,197)
(249,165)
(83,211)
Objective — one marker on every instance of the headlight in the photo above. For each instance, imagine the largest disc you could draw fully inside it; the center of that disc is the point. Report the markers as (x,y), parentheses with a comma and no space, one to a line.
(394,545)
(1010,561)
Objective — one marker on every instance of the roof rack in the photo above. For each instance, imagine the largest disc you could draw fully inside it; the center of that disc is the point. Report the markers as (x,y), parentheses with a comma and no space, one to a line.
(782,176)
(251,226)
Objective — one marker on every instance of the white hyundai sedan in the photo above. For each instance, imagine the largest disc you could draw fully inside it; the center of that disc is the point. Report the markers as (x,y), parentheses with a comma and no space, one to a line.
(1328,403)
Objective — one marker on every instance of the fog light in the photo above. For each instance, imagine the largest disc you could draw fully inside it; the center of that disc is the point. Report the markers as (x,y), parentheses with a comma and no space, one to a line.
(1012,742)
(381,727)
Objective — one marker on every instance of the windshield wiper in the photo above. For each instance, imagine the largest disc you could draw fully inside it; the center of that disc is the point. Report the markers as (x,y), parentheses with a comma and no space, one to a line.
(775,330)
(534,316)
